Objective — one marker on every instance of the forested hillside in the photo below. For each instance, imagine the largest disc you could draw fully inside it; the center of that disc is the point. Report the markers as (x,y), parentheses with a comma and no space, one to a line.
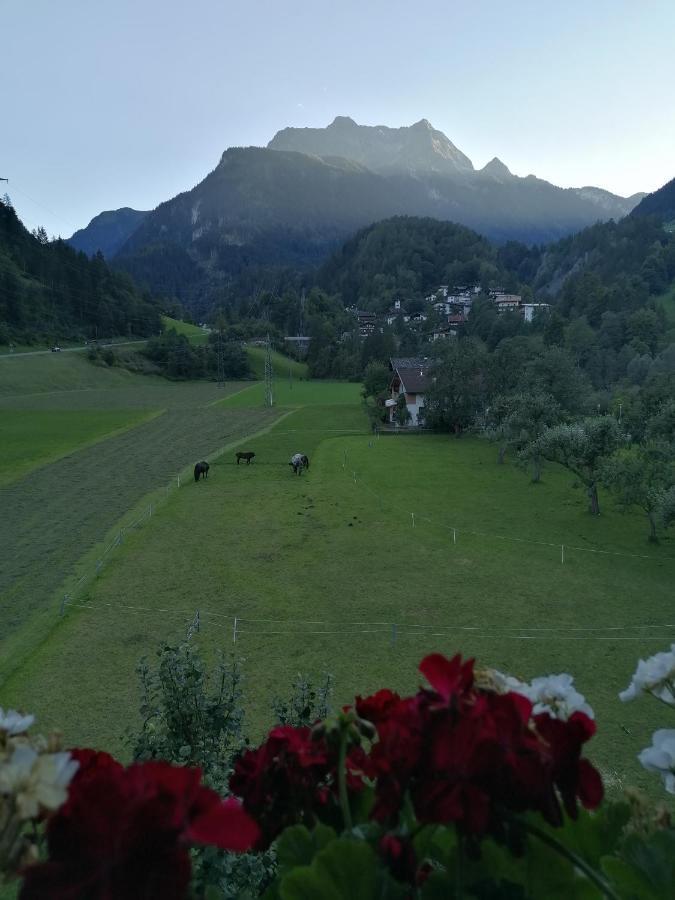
(407,257)
(49,292)
(661,203)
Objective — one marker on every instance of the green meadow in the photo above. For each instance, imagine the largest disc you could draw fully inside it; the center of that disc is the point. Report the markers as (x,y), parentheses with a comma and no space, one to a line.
(30,439)
(385,550)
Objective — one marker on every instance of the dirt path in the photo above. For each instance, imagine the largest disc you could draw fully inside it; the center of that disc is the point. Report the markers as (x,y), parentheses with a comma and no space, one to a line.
(53,516)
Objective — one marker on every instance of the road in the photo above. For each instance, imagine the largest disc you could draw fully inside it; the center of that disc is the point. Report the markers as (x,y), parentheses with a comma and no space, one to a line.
(6,355)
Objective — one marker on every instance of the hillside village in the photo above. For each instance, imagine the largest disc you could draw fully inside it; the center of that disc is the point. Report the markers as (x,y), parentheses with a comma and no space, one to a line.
(445,312)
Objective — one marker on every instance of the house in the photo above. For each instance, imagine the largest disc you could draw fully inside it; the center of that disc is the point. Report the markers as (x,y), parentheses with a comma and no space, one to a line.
(442,332)
(507,302)
(410,378)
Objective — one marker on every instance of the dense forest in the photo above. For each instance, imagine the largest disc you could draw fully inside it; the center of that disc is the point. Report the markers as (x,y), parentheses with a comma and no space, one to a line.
(407,257)
(50,292)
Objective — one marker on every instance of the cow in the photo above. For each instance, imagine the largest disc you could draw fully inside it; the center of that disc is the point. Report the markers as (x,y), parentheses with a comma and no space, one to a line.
(248,456)
(299,462)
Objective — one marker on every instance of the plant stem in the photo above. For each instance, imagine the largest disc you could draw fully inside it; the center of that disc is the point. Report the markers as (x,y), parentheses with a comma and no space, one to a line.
(576,860)
(342,781)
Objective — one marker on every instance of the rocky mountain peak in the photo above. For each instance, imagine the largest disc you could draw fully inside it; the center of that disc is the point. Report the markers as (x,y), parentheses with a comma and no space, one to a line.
(497,169)
(416,149)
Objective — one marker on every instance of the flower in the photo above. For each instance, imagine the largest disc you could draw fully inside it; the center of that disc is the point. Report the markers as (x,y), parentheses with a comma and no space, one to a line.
(556,695)
(37,781)
(656,676)
(125,833)
(284,780)
(660,757)
(467,755)
(13,722)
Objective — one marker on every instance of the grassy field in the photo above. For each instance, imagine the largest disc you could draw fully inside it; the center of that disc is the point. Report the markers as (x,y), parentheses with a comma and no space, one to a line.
(30,439)
(194,333)
(318,569)
(285,369)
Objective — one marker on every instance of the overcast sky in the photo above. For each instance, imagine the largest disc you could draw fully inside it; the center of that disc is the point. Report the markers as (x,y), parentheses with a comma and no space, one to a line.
(109,103)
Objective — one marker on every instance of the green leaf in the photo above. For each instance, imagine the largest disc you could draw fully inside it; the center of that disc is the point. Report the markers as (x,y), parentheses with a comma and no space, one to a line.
(344,870)
(646,869)
(592,835)
(298,845)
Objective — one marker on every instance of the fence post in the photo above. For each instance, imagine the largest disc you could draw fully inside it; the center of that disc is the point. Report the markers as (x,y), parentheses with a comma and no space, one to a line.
(64,600)
(393,635)
(197,621)
(562,553)
(412,516)
(234,631)
(454,535)
(178,480)
(354,477)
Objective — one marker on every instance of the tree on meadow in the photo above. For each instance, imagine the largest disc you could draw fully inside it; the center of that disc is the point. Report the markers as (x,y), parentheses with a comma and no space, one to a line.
(459,386)
(642,475)
(582,448)
(530,415)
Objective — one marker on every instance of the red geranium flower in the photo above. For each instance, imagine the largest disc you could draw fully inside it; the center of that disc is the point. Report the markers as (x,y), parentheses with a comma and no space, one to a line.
(284,780)
(123,834)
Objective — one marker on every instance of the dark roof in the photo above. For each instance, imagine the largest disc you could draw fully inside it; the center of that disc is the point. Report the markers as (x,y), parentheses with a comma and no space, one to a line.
(410,362)
(413,373)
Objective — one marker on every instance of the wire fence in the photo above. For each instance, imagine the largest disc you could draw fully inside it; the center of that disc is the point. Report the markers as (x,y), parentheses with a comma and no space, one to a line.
(237,627)
(241,626)
(456,530)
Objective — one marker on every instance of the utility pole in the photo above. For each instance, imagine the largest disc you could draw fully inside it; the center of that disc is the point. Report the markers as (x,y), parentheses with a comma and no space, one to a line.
(269,374)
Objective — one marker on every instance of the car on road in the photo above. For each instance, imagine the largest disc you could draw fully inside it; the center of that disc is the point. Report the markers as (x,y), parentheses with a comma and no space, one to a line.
(56,349)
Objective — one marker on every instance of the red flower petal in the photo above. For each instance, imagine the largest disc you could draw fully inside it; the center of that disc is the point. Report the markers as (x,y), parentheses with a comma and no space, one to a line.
(591,790)
(225,825)
(447,676)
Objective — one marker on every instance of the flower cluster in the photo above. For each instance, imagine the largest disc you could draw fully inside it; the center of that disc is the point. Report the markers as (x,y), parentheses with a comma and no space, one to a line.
(656,676)
(461,753)
(553,694)
(125,833)
(34,778)
(284,780)
(660,757)
(469,756)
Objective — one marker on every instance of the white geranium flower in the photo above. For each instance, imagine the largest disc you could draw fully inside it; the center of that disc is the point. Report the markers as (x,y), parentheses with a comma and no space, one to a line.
(557,696)
(660,757)
(656,676)
(13,722)
(553,694)
(36,780)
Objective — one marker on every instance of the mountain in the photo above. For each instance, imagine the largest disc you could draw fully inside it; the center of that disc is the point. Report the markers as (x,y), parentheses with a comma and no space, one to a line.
(291,204)
(50,292)
(661,203)
(107,231)
(424,152)
(419,149)
(611,204)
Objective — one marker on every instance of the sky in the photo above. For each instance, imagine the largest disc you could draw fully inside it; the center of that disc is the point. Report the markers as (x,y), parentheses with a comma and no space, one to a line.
(110,103)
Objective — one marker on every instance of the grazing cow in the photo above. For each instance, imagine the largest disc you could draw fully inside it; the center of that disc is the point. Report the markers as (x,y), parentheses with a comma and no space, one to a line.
(202,470)
(248,456)
(299,462)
